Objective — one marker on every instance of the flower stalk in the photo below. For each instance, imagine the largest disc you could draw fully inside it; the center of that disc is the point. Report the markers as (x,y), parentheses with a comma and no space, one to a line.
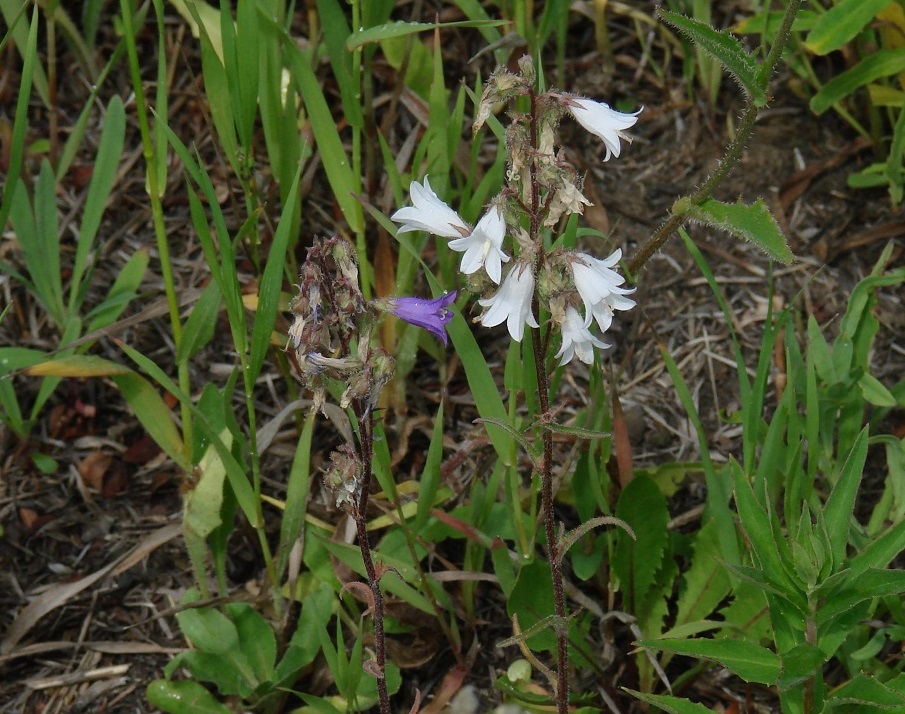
(331,341)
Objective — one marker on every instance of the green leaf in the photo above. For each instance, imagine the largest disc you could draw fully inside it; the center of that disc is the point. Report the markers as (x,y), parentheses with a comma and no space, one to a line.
(854,590)
(237,474)
(532,600)
(269,289)
(391,30)
(882,63)
(214,669)
(881,550)
(343,182)
(430,474)
(841,23)
(199,328)
(183,697)
(705,584)
(800,663)
(752,222)
(873,390)
(297,489)
(749,661)
(756,523)
(202,502)
(258,642)
(122,292)
(17,141)
(840,505)
(724,48)
(865,691)
(336,34)
(106,165)
(671,705)
(209,630)
(154,415)
(636,561)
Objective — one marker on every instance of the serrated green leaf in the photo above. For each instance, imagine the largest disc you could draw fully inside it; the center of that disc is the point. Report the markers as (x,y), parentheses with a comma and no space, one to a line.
(752,222)
(636,561)
(724,48)
(868,585)
(865,691)
(671,705)
(883,63)
(841,23)
(749,661)
(183,697)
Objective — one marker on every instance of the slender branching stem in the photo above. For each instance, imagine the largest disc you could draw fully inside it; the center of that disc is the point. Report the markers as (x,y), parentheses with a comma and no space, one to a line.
(543,389)
(733,152)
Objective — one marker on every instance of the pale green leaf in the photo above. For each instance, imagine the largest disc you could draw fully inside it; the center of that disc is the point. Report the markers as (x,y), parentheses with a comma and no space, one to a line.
(882,63)
(841,23)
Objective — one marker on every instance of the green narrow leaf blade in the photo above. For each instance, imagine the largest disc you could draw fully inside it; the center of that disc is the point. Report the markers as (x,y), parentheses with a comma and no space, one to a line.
(106,164)
(271,282)
(840,505)
(883,63)
(841,23)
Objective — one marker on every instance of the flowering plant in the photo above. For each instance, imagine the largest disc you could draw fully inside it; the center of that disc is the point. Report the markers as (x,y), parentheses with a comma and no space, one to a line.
(542,187)
(568,293)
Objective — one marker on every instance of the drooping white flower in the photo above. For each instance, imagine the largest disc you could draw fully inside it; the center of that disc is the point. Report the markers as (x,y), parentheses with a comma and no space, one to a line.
(598,286)
(512,302)
(483,246)
(577,339)
(429,213)
(603,122)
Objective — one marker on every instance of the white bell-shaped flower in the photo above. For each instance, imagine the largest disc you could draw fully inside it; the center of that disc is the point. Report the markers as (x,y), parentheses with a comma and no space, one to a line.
(577,339)
(599,287)
(483,246)
(512,302)
(429,213)
(603,122)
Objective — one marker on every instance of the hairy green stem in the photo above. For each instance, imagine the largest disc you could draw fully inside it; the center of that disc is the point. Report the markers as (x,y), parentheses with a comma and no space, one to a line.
(733,152)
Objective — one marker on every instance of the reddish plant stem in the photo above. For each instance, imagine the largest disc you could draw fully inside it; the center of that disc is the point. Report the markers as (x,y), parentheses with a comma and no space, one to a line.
(366,443)
(543,389)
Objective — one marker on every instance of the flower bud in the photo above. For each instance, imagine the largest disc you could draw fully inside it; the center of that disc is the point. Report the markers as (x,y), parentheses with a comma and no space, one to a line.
(343,475)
